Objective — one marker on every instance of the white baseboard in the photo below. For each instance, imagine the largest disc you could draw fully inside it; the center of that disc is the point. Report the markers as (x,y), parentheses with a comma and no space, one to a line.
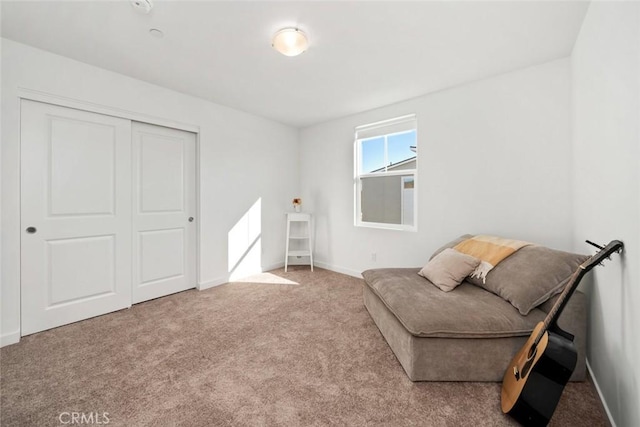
(213,283)
(338,269)
(272,266)
(10,338)
(604,402)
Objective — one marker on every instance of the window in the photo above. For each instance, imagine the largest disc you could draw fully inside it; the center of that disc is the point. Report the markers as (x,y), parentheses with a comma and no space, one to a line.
(385,174)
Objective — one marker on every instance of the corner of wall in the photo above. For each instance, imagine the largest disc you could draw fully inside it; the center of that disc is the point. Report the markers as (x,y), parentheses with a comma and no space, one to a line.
(605,133)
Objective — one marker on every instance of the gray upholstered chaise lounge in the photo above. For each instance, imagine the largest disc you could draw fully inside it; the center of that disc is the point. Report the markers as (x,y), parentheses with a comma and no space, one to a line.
(469,334)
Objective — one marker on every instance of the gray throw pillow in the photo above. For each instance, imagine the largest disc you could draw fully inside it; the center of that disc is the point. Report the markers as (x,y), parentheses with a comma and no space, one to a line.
(531,276)
(448,269)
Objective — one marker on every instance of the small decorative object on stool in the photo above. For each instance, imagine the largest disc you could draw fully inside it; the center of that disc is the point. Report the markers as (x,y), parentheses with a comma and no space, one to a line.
(297,202)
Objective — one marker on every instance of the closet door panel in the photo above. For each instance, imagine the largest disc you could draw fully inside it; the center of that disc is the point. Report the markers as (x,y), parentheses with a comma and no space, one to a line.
(164,224)
(75,215)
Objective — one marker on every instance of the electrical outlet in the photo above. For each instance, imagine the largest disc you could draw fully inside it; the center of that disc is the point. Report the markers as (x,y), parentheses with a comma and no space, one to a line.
(374,256)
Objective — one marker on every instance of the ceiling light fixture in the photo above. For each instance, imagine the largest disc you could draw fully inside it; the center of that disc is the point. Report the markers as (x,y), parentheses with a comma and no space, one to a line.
(142,6)
(156,33)
(290,41)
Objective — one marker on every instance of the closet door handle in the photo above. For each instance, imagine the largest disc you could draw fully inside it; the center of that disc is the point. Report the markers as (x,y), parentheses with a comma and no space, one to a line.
(190,219)
(31,230)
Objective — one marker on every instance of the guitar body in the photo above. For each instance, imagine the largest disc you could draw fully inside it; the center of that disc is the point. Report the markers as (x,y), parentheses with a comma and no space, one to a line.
(536,377)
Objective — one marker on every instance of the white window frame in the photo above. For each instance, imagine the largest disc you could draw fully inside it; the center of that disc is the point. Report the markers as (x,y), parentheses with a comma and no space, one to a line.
(357,178)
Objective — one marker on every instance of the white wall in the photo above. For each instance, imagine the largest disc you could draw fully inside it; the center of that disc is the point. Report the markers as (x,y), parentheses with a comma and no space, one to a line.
(493,157)
(243,158)
(606,150)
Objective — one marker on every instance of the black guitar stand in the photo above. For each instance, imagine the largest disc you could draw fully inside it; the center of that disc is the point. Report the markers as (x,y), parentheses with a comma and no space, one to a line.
(594,244)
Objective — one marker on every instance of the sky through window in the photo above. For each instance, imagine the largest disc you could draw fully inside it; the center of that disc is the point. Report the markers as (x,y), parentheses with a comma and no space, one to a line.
(398,149)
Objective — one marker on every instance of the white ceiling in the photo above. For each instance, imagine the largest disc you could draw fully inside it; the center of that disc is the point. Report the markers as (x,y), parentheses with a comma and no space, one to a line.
(363,55)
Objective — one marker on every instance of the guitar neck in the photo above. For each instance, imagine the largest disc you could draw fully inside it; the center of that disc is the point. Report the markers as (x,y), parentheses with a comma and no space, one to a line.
(574,281)
(562,301)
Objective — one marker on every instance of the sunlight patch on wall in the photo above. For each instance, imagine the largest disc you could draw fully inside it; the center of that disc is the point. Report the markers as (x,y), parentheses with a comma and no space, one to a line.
(245,244)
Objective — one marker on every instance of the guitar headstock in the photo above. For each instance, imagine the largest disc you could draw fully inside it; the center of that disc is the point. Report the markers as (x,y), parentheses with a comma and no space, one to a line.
(603,253)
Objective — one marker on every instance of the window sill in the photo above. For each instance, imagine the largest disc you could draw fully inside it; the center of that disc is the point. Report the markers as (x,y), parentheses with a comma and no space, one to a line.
(385,226)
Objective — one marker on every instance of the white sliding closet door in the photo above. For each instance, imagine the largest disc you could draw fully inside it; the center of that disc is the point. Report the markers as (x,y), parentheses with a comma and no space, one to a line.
(164,206)
(107,214)
(75,215)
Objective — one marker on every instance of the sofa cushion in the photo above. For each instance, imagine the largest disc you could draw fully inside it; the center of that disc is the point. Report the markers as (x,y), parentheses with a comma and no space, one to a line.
(468,312)
(531,276)
(528,277)
(448,269)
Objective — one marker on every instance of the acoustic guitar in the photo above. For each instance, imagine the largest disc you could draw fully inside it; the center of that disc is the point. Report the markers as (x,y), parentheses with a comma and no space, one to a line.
(535,378)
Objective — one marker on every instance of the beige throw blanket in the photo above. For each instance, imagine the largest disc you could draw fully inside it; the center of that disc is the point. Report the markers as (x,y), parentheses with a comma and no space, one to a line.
(490,250)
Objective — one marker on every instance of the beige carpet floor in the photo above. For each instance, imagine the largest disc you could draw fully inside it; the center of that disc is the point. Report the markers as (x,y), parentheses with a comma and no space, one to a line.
(283,349)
